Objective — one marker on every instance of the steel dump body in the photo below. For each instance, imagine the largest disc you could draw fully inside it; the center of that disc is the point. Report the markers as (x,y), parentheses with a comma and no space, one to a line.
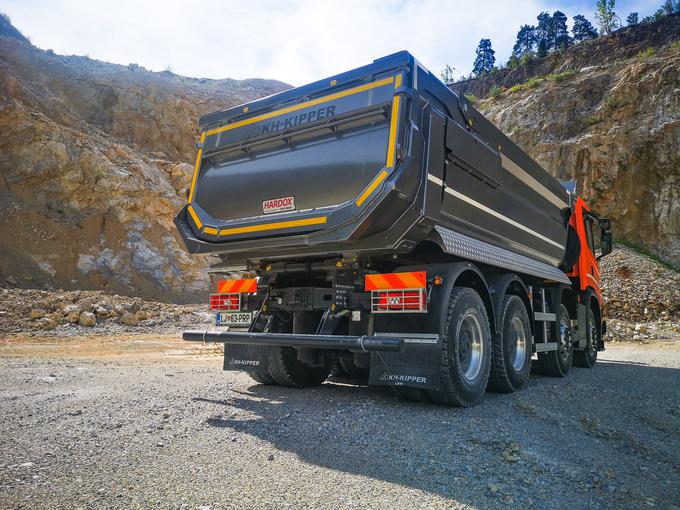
(374,161)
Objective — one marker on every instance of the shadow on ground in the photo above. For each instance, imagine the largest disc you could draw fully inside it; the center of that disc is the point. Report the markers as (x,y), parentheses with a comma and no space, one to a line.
(554,444)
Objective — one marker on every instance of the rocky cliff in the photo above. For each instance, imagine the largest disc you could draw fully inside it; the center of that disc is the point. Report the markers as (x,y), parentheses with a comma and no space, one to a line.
(606,113)
(94,162)
(95,158)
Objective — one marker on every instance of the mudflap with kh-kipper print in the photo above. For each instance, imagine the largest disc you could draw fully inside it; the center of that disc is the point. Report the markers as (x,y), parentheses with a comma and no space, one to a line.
(245,357)
(416,366)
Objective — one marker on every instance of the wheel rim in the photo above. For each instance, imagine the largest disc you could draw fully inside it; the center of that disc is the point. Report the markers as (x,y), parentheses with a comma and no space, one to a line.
(518,343)
(470,347)
(565,338)
(593,333)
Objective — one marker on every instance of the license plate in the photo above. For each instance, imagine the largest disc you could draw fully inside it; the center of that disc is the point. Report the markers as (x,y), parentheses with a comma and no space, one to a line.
(236,319)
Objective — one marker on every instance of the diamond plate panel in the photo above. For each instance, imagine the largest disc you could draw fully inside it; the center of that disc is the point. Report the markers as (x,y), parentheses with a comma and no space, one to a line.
(479,251)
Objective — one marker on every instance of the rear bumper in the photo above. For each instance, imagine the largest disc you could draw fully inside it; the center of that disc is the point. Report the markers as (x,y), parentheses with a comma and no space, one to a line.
(355,343)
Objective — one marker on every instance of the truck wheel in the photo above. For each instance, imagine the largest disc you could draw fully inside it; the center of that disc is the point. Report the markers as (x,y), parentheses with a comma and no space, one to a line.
(466,351)
(557,363)
(350,370)
(511,362)
(261,376)
(588,356)
(287,370)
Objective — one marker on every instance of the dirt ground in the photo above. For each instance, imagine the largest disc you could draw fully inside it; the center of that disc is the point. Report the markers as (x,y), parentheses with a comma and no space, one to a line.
(148,421)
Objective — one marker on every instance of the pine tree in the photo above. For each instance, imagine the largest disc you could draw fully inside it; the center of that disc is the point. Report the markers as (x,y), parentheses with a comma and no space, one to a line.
(544,32)
(583,29)
(632,19)
(559,24)
(605,16)
(526,40)
(485,58)
(447,74)
(542,49)
(668,7)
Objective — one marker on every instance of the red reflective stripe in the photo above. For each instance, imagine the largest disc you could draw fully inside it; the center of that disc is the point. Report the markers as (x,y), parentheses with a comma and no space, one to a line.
(393,280)
(388,281)
(237,286)
(251,287)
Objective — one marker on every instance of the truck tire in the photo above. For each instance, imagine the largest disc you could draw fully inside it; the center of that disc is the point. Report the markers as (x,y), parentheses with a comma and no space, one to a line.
(558,362)
(286,370)
(466,351)
(511,363)
(345,368)
(261,376)
(588,356)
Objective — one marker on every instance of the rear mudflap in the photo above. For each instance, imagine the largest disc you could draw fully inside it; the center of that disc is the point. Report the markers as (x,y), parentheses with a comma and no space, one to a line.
(416,366)
(245,357)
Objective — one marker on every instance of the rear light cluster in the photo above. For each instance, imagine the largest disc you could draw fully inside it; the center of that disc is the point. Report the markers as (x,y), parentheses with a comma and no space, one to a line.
(407,300)
(225,302)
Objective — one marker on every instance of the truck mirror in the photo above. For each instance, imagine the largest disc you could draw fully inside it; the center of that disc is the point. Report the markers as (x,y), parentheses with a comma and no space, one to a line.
(606,241)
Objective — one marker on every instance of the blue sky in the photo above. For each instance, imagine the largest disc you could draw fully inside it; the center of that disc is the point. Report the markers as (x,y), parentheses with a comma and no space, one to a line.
(295,41)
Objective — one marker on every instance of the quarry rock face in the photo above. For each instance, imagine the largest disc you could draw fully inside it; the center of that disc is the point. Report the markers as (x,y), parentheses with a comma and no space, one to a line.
(95,159)
(613,125)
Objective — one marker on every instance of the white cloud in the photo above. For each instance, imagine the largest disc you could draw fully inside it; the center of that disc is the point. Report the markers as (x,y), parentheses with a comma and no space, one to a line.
(296,41)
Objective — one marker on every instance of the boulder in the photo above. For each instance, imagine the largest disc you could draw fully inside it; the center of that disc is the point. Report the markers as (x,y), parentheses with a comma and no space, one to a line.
(87,319)
(69,309)
(129,319)
(37,313)
(46,324)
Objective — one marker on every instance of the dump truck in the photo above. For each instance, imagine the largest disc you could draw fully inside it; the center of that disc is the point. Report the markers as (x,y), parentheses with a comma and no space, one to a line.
(375,227)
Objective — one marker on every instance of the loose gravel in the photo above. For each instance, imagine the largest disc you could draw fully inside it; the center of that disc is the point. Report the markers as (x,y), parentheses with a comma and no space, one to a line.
(147,422)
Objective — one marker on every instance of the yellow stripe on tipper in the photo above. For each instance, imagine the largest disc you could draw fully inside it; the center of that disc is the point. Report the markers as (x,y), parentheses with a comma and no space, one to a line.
(371,187)
(313,102)
(320,220)
(391,148)
(196,167)
(210,230)
(193,214)
(394,121)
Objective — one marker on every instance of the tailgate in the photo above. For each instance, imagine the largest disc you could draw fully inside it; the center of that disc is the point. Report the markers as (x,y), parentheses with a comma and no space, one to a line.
(284,169)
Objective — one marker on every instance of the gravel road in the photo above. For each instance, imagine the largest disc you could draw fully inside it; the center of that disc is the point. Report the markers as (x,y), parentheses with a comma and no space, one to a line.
(139,422)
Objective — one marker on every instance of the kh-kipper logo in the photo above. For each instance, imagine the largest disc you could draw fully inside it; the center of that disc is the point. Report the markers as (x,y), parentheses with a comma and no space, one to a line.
(246,362)
(402,378)
(295,120)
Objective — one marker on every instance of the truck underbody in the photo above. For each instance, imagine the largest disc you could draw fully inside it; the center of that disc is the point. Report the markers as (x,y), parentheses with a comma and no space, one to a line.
(376,226)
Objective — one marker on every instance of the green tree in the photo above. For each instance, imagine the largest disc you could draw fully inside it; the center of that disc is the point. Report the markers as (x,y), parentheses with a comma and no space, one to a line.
(447,74)
(526,40)
(632,19)
(668,7)
(560,31)
(605,16)
(544,32)
(542,49)
(485,58)
(583,29)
